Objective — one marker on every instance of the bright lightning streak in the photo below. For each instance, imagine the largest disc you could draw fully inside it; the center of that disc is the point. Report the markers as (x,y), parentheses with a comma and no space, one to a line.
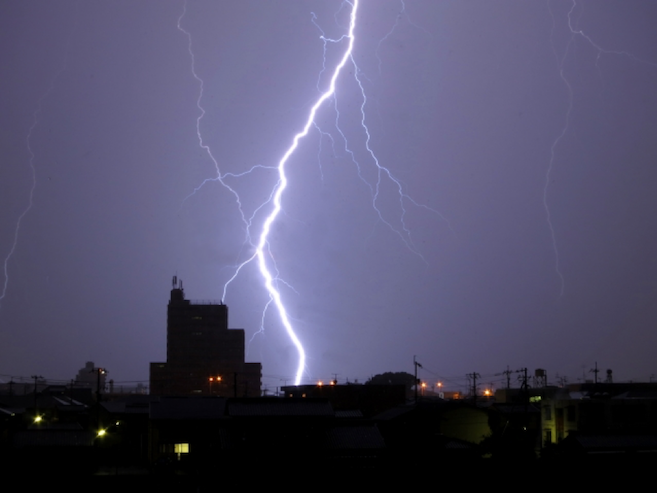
(280,188)
(260,250)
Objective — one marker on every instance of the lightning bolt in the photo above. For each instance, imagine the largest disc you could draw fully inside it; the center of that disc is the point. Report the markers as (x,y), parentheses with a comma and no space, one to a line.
(30,201)
(36,118)
(258,243)
(261,253)
(574,34)
(382,172)
(401,15)
(219,178)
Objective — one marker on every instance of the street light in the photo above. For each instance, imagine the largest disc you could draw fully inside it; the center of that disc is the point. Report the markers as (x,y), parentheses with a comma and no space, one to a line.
(213,379)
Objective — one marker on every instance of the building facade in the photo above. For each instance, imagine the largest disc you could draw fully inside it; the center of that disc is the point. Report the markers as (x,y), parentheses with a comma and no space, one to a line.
(204,356)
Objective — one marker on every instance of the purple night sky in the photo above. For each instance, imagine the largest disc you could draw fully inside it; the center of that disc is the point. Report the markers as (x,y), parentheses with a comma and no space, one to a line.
(522,135)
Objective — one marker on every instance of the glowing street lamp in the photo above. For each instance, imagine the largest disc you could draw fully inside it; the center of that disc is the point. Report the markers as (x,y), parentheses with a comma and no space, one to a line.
(213,379)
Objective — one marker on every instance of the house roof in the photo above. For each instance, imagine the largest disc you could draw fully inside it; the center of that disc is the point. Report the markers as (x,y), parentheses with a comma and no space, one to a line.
(188,408)
(280,407)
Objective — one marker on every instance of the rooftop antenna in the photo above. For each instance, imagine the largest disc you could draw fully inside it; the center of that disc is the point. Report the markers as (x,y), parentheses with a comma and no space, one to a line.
(595,372)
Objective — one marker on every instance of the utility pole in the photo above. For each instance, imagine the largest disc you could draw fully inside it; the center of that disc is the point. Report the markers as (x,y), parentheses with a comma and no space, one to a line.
(523,379)
(35,377)
(524,389)
(416,380)
(595,373)
(474,377)
(99,372)
(508,377)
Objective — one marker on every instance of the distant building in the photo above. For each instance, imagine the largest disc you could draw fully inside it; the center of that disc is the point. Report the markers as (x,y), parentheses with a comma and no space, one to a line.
(91,377)
(586,418)
(204,356)
(591,409)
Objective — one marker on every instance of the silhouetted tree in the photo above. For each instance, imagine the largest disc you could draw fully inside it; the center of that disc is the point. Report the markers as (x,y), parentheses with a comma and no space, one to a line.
(393,378)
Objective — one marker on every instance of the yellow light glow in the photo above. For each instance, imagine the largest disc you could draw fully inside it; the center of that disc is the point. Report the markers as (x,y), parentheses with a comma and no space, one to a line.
(181,448)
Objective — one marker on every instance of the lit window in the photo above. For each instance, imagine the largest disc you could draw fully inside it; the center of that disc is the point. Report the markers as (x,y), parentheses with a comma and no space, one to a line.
(181,448)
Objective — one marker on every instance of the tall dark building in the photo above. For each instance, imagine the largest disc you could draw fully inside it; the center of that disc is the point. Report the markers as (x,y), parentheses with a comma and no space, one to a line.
(204,356)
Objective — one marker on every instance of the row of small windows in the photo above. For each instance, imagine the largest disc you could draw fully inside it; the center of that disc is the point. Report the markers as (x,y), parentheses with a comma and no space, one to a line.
(175,448)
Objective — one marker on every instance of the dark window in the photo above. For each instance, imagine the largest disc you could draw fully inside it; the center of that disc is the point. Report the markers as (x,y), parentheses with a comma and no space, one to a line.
(571,414)
(547,413)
